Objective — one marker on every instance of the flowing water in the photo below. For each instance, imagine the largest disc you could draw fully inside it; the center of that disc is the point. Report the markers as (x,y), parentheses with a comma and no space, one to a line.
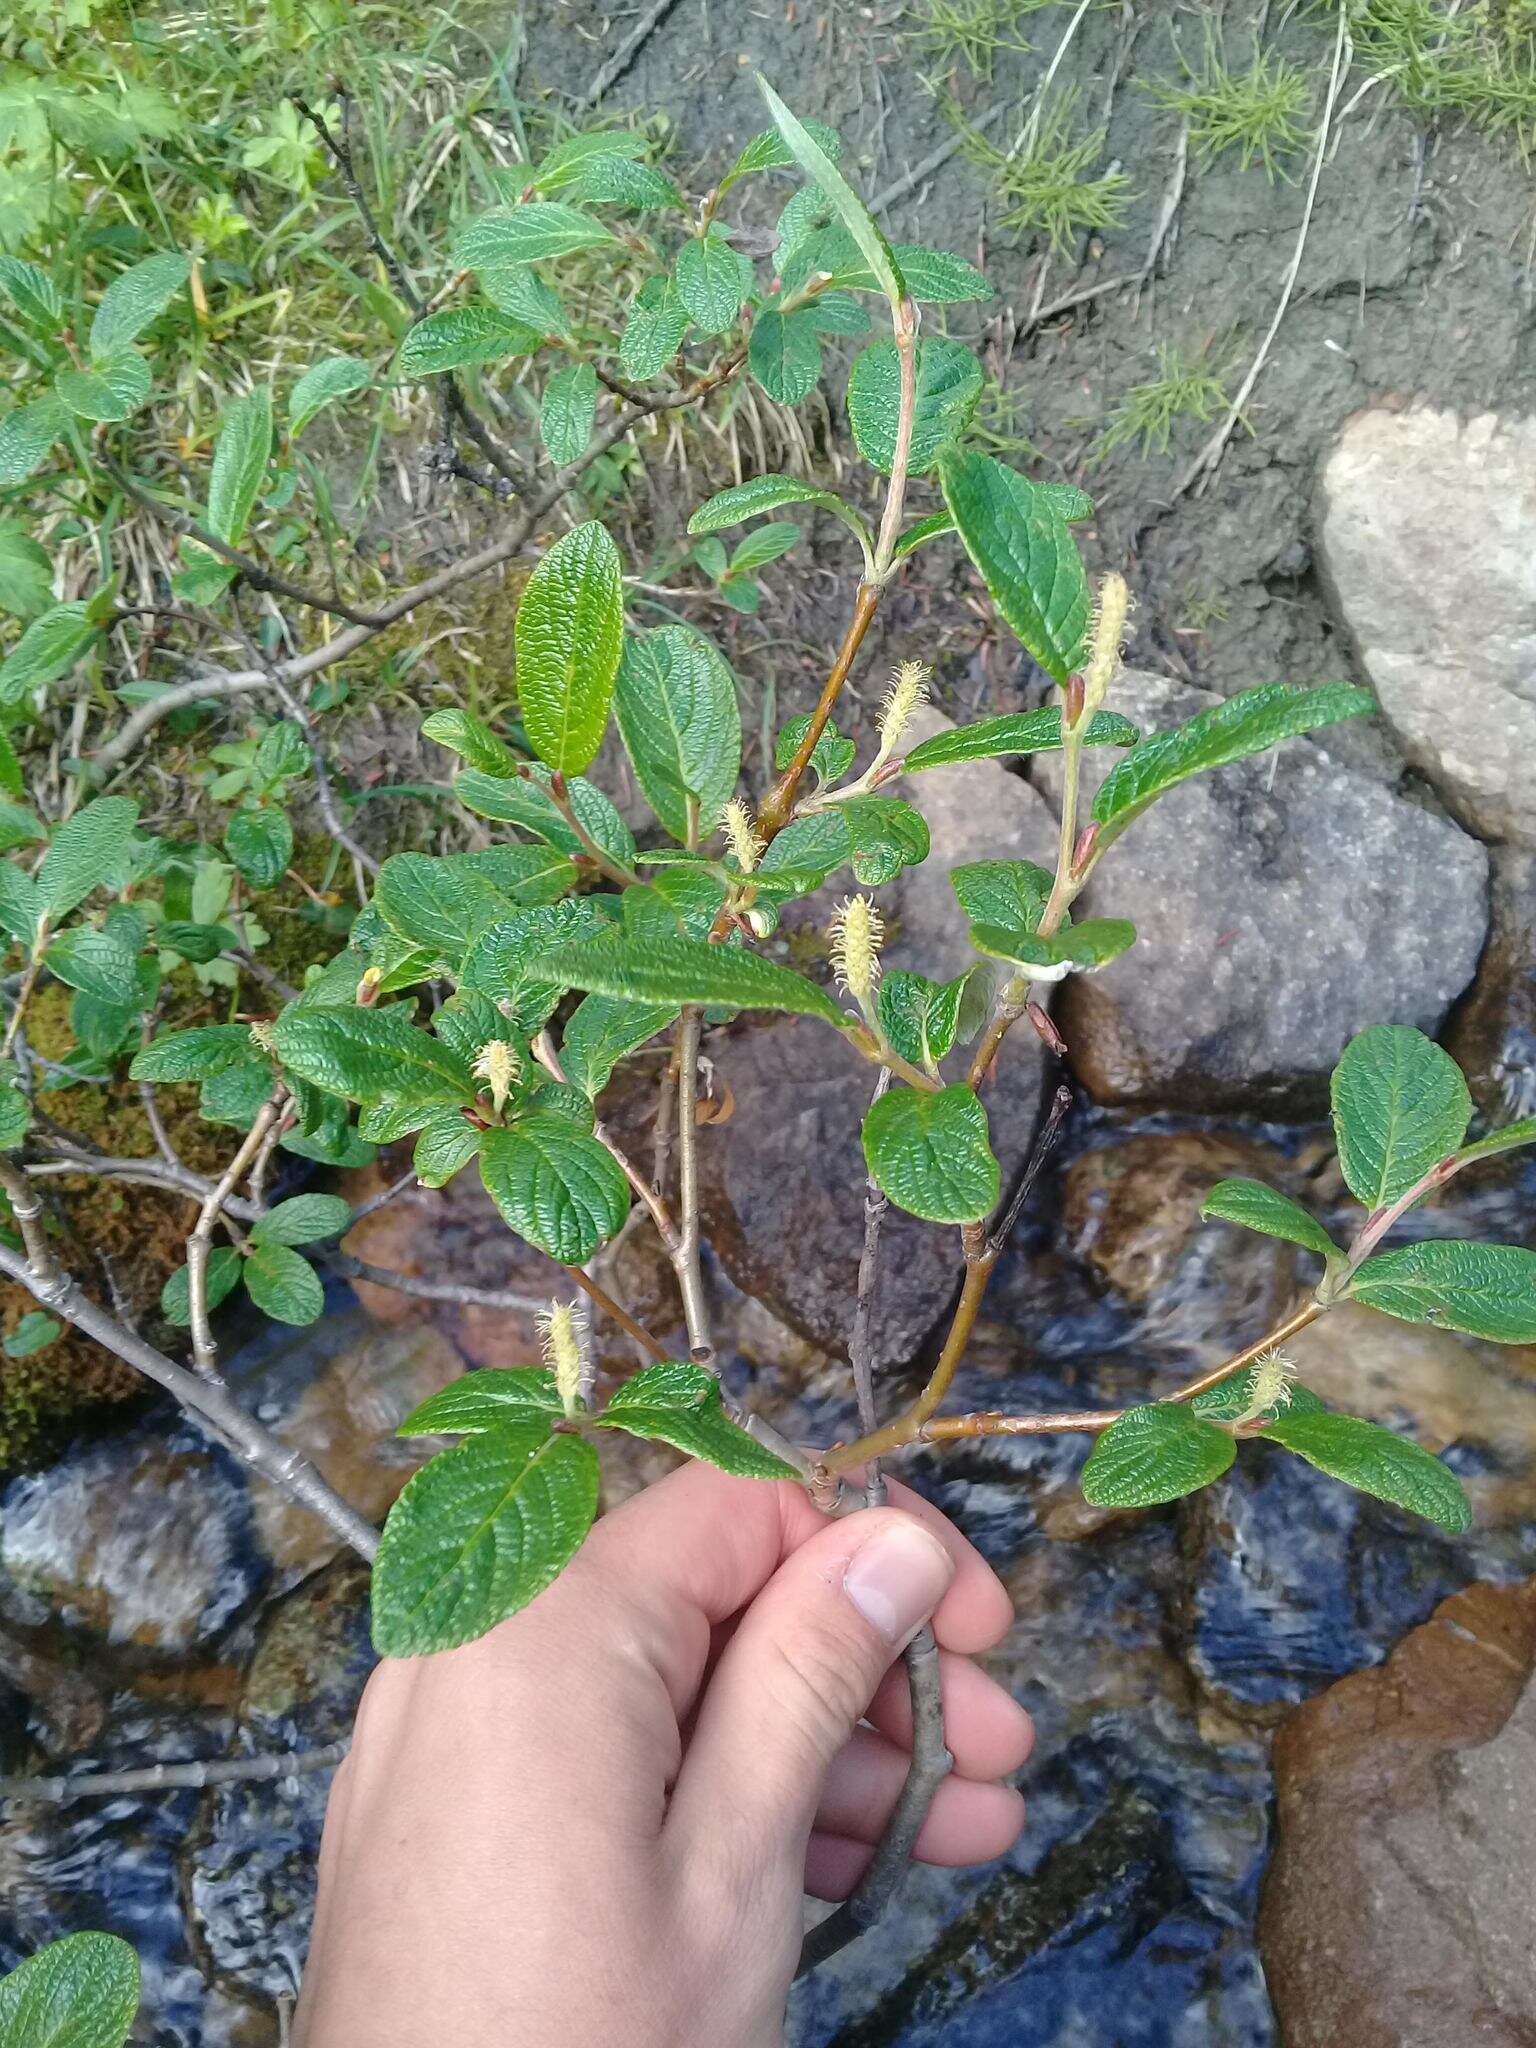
(149,1590)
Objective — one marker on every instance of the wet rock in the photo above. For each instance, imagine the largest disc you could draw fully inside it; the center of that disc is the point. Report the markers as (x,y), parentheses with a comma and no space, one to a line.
(337,1392)
(1493,1034)
(1397,1911)
(143,1543)
(1424,528)
(43,1696)
(1269,904)
(784,1179)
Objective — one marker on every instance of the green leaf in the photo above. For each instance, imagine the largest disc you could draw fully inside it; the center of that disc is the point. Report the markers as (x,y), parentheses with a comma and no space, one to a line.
(221,1280)
(471,739)
(444,1146)
(710,282)
(485,1400)
(764,544)
(283,1285)
(757,495)
(27,435)
(568,411)
(949,383)
(620,181)
(259,840)
(686,971)
(1488,1290)
(522,295)
(530,233)
(303,1220)
(1154,1454)
(931,1155)
(86,852)
(1028,732)
(1400,1106)
(457,337)
(1025,554)
(524,800)
(570,631)
(554,1186)
(831,757)
(676,705)
(1505,1140)
(935,277)
(602,1029)
(1375,1461)
(477,1533)
(335,377)
(1250,723)
(113,388)
(81,1992)
(838,313)
(367,1055)
(850,209)
(770,152)
(26,574)
(240,458)
(48,649)
(32,292)
(886,835)
(21,906)
(34,1332)
(1259,1207)
(198,942)
(131,301)
(436,906)
(100,963)
(19,826)
(16,1111)
(566,163)
(195,1055)
(920,1017)
(784,354)
(654,330)
(680,1404)
(922,530)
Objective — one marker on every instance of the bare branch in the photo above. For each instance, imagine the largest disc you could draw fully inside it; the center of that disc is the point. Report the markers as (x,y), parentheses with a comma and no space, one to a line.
(205,1353)
(235,1770)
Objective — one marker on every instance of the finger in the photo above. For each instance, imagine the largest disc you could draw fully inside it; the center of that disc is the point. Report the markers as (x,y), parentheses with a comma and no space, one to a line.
(835,1863)
(967,1822)
(976,1613)
(795,1679)
(988,1732)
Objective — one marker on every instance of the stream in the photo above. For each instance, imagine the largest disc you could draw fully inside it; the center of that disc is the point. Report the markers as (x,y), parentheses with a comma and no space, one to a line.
(154,1607)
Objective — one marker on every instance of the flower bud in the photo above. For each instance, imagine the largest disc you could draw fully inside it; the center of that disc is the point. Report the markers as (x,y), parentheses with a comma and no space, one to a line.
(857,932)
(498,1065)
(565,1351)
(908,690)
(741,835)
(1108,632)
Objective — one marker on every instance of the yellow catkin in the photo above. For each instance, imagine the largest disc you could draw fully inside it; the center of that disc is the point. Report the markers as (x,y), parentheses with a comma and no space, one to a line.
(908,690)
(1108,634)
(263,1036)
(856,934)
(564,1351)
(1270,1382)
(498,1066)
(741,835)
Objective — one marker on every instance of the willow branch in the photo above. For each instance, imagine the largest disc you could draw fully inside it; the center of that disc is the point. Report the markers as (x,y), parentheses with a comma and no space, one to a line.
(599,1295)
(690,1280)
(205,1353)
(237,1770)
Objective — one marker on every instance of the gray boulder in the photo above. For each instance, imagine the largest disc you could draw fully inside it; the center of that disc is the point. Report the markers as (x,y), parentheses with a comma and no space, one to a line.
(1425,526)
(1281,905)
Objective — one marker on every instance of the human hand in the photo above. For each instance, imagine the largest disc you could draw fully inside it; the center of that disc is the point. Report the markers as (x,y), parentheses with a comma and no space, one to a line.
(594,1825)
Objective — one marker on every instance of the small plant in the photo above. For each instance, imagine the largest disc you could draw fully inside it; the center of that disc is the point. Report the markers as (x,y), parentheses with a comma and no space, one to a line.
(479,1001)
(1185,387)
(1261,111)
(971,32)
(1048,182)
(83,1991)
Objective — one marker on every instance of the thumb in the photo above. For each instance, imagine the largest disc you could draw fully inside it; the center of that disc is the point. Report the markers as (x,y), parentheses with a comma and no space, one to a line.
(799,1673)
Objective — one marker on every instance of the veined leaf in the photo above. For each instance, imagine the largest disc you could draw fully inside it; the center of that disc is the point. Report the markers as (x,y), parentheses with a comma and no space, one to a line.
(686,971)
(1028,732)
(1259,1207)
(240,458)
(621,181)
(436,907)
(131,301)
(26,574)
(1026,556)
(477,1533)
(602,1029)
(1400,1106)
(757,495)
(530,233)
(770,152)
(336,377)
(948,385)
(367,1055)
(259,840)
(1010,894)
(831,757)
(284,1285)
(654,330)
(1250,723)
(564,165)
(113,388)
(485,1400)
(48,649)
(923,530)
(570,631)
(303,1219)
(568,411)
(1376,1461)
(445,1145)
(935,277)
(1084,947)
(16,1111)
(194,1055)
(931,1153)
(86,852)
(1153,1454)
(784,354)
(850,209)
(554,1186)
(520,293)
(32,292)
(81,1992)
(920,1017)
(677,1402)
(27,435)
(1488,1290)
(457,337)
(678,717)
(524,800)
(471,739)
(1506,1140)
(710,282)
(219,1282)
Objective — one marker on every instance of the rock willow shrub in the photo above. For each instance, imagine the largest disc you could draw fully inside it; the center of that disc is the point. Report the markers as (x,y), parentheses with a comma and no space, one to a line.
(483,1000)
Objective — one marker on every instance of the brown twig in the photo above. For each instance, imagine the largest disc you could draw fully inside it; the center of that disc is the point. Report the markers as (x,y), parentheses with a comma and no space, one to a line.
(690,1279)
(599,1294)
(238,1770)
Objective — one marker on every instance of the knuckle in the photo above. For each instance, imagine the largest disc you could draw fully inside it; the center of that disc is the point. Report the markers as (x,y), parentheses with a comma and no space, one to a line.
(816,1681)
